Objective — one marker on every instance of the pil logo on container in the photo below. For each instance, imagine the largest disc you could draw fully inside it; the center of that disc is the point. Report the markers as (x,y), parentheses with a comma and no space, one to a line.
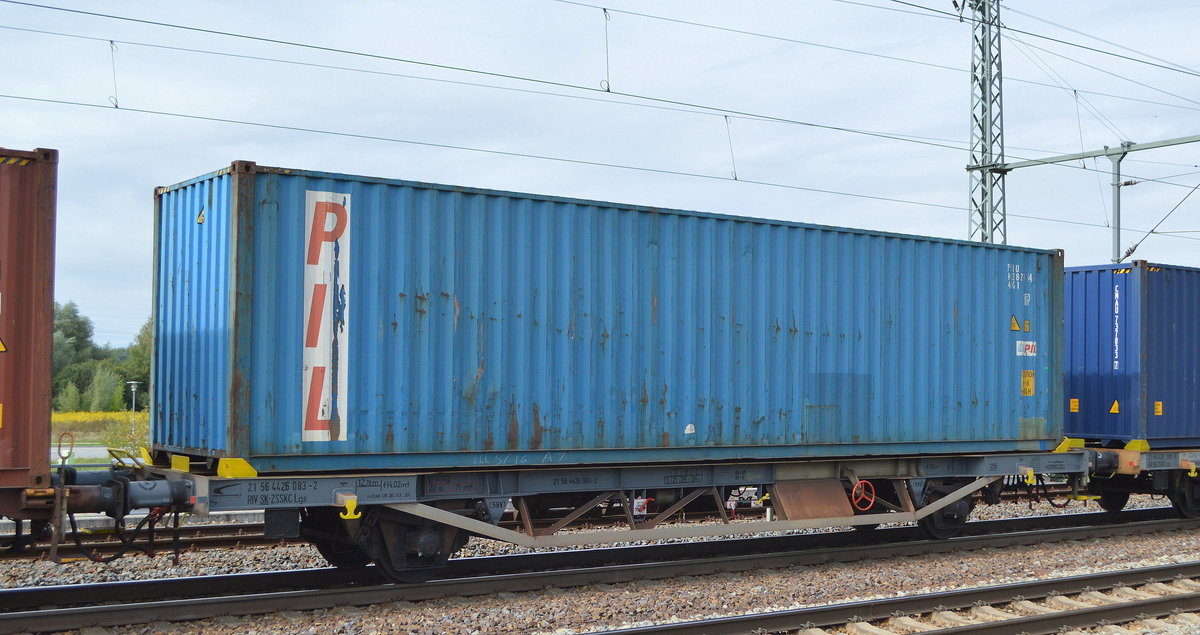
(326,315)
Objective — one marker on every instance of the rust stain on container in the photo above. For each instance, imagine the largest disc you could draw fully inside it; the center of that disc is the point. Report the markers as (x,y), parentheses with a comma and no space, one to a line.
(514,426)
(535,441)
(28,190)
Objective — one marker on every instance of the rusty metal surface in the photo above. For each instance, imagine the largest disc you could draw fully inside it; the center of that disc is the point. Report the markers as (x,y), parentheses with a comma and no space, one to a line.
(824,498)
(310,321)
(28,182)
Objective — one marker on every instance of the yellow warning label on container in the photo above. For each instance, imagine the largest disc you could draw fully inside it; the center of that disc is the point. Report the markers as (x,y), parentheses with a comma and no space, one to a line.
(1014,326)
(1116,408)
(1,415)
(1158,408)
(1026,326)
(3,348)
(200,218)
(1074,405)
(1027,383)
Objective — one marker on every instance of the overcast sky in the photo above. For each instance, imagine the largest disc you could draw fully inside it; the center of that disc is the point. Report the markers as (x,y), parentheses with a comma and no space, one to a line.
(827,62)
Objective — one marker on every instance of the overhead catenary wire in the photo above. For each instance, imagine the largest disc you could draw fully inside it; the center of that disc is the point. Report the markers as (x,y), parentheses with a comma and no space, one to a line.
(1083,148)
(955,17)
(1153,230)
(1111,73)
(938,12)
(649,98)
(1098,39)
(1063,84)
(598,95)
(526,155)
(656,100)
(607,98)
(712,109)
(853,51)
(447,146)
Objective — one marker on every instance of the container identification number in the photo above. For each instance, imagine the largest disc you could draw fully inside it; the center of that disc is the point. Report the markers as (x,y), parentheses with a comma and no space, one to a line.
(1015,277)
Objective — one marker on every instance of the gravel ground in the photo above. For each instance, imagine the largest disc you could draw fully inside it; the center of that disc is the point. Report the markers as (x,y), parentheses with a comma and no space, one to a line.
(609,606)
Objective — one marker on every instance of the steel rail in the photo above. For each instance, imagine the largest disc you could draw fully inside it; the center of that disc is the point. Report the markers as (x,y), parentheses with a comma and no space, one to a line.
(25,598)
(880,609)
(192,537)
(367,594)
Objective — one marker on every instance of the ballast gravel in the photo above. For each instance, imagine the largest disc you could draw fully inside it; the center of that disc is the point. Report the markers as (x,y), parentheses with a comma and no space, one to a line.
(602,607)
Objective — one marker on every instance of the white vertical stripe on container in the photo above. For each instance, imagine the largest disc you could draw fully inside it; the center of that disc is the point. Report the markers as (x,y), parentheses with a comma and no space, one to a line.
(326,315)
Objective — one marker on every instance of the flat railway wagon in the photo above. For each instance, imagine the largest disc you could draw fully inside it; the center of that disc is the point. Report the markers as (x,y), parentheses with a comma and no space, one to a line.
(387,366)
(1132,382)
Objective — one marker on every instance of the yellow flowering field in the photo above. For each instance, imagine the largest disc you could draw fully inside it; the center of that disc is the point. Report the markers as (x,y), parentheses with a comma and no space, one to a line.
(105,428)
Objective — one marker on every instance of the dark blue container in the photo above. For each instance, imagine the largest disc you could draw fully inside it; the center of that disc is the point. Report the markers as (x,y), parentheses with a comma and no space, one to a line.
(1133,354)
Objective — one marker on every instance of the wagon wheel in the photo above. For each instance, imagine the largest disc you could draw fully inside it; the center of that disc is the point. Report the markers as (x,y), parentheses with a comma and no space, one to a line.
(1113,501)
(406,548)
(948,521)
(322,527)
(342,555)
(1185,497)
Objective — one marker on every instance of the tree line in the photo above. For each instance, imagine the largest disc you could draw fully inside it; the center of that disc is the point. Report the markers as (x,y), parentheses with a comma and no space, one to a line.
(90,377)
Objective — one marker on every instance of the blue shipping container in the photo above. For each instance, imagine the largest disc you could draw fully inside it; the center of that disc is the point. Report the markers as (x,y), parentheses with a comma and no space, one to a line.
(1133,354)
(311,321)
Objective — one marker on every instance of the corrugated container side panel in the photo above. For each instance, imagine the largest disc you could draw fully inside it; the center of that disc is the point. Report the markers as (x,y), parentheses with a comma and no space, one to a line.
(1132,341)
(1098,318)
(192,334)
(488,322)
(28,182)
(1171,341)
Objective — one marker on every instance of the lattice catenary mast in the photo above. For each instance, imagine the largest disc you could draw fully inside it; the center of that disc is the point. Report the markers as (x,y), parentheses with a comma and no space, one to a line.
(987,219)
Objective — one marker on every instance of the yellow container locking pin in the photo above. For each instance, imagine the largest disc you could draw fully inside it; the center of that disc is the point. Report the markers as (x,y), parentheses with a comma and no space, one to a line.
(350,502)
(1028,475)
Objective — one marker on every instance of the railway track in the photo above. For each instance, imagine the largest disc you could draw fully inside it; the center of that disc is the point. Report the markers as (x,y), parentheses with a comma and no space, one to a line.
(192,538)
(198,598)
(1144,595)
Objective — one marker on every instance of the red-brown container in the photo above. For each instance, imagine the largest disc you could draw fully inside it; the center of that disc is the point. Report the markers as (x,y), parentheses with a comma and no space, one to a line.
(28,190)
